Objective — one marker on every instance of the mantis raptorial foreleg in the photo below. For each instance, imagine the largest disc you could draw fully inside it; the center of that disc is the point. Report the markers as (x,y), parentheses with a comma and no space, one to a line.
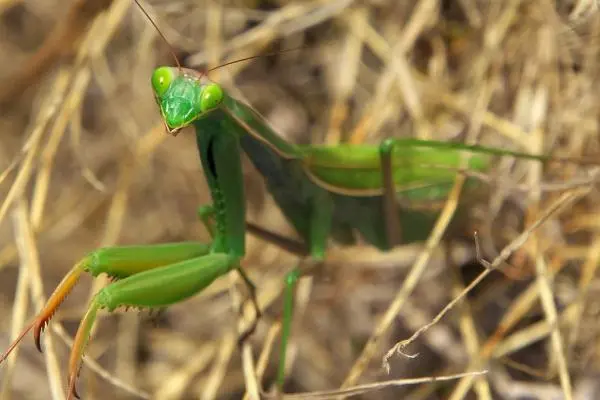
(147,276)
(118,263)
(155,287)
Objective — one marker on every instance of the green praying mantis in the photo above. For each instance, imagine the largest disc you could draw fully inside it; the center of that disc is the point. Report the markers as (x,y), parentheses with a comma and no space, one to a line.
(325,191)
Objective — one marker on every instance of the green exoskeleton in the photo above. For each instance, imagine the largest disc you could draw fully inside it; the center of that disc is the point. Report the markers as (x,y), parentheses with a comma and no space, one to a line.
(324,191)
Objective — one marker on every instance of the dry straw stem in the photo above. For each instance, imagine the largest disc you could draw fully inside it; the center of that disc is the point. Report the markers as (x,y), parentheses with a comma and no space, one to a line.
(367,388)
(60,42)
(505,254)
(84,162)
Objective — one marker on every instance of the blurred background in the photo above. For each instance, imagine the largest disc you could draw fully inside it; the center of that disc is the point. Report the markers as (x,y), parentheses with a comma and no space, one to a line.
(85,162)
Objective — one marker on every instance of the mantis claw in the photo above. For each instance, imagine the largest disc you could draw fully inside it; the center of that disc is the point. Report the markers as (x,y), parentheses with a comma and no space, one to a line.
(72,390)
(79,343)
(40,322)
(37,335)
(59,295)
(39,325)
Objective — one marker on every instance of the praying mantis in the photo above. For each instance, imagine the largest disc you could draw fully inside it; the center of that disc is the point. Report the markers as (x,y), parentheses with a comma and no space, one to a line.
(325,191)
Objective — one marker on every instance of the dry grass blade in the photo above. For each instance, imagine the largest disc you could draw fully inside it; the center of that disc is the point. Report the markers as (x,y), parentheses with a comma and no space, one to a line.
(565,200)
(19,313)
(47,112)
(28,253)
(409,284)
(97,369)
(372,387)
(61,41)
(219,369)
(173,385)
(504,255)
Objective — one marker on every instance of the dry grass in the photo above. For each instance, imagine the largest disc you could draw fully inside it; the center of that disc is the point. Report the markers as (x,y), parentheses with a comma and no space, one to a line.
(84,162)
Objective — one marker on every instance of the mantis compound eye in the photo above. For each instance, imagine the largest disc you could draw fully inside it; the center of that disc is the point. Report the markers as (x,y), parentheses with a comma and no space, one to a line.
(211,97)
(161,80)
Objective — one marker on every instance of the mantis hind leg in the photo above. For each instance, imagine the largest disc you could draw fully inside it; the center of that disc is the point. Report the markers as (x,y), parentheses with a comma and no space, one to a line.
(390,206)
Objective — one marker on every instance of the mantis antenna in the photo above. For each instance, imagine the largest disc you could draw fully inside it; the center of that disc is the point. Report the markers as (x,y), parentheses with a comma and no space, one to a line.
(257,56)
(163,37)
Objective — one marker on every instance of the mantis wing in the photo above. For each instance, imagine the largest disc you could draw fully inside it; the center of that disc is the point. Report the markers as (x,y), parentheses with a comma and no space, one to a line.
(351,174)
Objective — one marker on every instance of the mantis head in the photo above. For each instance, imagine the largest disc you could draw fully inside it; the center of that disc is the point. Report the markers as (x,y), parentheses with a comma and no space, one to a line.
(184,96)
